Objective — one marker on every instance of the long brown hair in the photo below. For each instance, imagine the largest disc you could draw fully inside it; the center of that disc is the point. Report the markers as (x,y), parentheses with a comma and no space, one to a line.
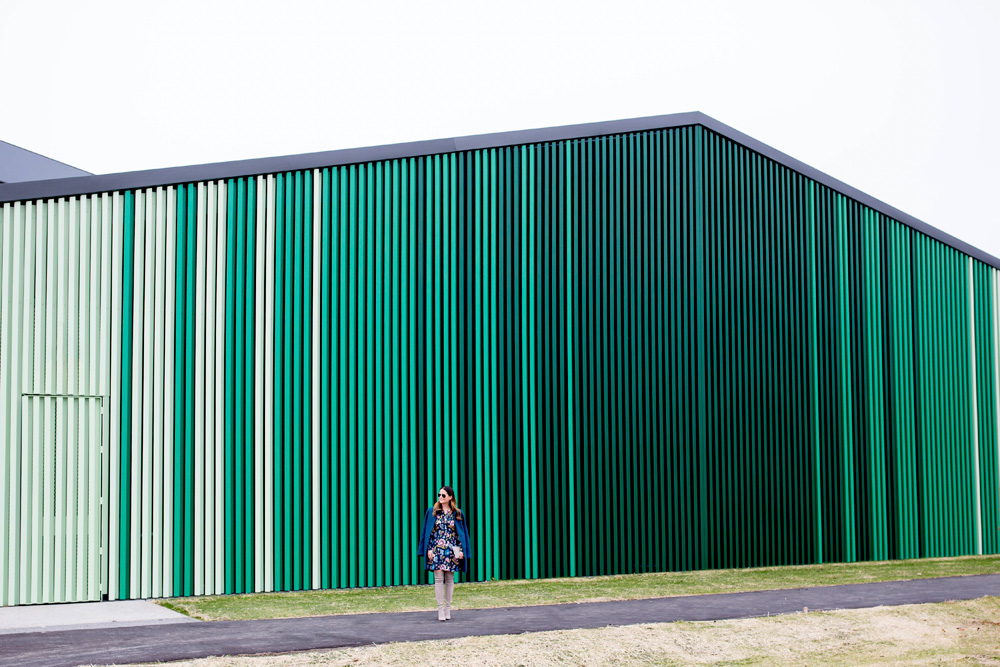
(439,508)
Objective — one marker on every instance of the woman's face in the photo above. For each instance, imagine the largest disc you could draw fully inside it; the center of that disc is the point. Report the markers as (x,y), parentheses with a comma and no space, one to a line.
(444,498)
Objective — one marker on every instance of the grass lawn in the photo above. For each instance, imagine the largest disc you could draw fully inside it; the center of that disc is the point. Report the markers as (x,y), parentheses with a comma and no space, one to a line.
(950,633)
(582,589)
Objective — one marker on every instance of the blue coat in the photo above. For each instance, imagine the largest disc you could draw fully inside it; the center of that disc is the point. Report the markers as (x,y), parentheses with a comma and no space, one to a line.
(461,527)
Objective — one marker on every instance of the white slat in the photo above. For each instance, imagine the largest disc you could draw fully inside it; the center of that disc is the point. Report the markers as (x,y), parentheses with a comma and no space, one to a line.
(210,416)
(100,363)
(34,275)
(35,335)
(159,326)
(199,397)
(93,590)
(86,289)
(268,435)
(34,559)
(220,359)
(10,319)
(59,364)
(6,305)
(49,362)
(112,484)
(135,446)
(76,470)
(148,349)
(169,380)
(22,268)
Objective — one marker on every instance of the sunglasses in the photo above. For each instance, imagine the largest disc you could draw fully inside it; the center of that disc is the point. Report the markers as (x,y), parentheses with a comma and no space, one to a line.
(442,495)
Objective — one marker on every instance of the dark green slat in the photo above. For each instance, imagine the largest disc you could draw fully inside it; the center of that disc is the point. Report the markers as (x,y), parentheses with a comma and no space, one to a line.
(125,483)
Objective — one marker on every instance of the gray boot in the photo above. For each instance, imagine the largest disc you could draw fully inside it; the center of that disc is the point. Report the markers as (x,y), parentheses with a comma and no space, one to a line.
(449,586)
(439,594)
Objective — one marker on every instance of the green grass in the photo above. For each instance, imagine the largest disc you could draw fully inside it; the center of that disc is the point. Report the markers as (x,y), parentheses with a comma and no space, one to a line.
(583,589)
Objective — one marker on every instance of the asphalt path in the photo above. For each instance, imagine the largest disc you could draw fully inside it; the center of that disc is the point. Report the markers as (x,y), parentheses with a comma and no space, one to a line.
(162,643)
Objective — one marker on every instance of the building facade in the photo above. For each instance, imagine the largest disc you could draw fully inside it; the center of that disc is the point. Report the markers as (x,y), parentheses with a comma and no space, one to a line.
(634,346)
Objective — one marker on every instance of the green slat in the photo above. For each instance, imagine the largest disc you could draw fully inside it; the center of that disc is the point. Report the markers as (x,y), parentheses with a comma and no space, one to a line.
(231,399)
(125,502)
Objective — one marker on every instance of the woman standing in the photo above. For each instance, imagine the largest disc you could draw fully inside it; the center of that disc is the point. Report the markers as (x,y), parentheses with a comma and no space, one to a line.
(444,540)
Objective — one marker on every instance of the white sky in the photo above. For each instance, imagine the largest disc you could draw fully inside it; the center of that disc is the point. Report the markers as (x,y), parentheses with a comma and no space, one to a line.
(898,98)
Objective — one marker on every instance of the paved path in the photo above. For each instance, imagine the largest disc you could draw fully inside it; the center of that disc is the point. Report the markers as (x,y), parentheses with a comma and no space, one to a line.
(196,640)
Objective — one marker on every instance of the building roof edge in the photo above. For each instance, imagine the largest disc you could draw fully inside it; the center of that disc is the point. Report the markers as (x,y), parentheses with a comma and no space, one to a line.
(68,187)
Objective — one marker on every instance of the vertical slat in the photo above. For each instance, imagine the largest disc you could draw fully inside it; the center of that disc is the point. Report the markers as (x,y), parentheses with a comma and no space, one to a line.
(409,187)
(21,463)
(235,397)
(188,483)
(101,362)
(84,286)
(211,417)
(570,363)
(977,509)
(7,316)
(478,350)
(49,371)
(42,441)
(199,389)
(16,270)
(25,463)
(268,432)
(169,395)
(158,325)
(6,231)
(135,446)
(494,343)
(97,438)
(220,390)
(314,444)
(259,382)
(149,497)
(400,521)
(64,481)
(111,489)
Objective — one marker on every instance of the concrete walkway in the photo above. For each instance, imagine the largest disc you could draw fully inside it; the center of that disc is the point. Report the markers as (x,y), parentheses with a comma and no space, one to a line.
(84,616)
(196,640)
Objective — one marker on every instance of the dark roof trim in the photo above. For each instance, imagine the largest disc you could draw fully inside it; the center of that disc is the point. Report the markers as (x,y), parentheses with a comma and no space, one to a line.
(66,187)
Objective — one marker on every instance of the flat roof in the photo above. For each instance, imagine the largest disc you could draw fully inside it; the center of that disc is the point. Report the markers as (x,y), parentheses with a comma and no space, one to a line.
(67,187)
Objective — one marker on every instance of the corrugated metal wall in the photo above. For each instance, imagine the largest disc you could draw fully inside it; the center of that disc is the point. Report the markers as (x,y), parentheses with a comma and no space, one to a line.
(642,352)
(55,365)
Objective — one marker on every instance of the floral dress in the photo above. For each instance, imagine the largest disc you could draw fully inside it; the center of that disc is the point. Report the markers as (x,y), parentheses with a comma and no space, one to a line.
(444,538)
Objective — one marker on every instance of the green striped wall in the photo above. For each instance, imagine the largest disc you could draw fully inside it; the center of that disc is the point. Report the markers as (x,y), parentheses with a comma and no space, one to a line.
(642,352)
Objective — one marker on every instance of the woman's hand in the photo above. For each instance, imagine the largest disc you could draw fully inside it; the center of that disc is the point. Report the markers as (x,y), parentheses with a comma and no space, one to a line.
(430,555)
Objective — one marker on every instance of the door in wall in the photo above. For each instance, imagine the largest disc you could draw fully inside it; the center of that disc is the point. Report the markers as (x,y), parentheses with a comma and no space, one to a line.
(56,550)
